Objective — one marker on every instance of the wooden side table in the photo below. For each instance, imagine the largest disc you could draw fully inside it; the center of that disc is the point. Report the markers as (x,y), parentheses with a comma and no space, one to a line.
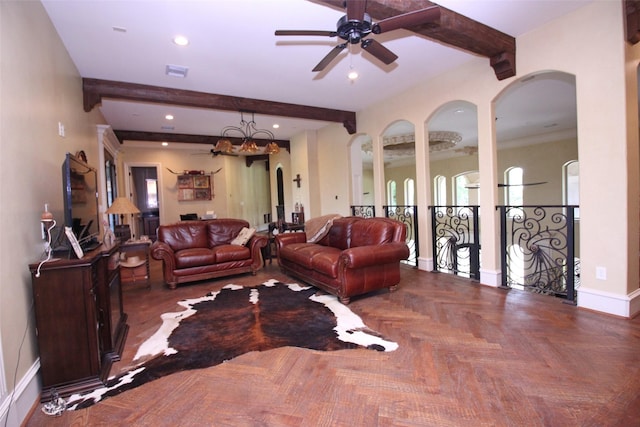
(135,267)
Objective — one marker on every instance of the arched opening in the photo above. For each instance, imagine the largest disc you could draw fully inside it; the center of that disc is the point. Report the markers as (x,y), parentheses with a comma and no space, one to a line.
(536,140)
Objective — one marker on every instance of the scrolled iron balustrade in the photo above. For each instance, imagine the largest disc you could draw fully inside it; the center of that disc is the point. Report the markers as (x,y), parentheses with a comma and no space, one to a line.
(455,240)
(365,211)
(408,215)
(538,249)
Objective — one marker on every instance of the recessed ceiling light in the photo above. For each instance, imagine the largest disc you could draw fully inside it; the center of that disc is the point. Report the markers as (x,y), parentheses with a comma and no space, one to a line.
(164,144)
(169,117)
(181,40)
(276,126)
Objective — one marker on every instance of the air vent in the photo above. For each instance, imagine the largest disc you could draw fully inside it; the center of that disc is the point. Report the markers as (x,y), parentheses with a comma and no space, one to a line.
(176,71)
(167,127)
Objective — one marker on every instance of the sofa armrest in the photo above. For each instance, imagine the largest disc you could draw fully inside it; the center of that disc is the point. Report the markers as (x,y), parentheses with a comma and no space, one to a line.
(285,239)
(255,244)
(161,251)
(363,256)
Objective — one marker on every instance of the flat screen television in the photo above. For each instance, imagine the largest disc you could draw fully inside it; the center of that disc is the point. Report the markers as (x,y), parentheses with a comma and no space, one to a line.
(80,190)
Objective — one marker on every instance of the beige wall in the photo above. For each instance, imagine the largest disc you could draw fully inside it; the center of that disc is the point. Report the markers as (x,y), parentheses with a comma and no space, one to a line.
(39,87)
(238,191)
(540,163)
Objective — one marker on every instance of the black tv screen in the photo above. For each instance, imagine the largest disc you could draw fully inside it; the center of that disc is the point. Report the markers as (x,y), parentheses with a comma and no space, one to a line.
(80,190)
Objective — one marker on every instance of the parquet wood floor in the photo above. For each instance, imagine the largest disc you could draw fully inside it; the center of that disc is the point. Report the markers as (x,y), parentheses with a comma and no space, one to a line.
(469,355)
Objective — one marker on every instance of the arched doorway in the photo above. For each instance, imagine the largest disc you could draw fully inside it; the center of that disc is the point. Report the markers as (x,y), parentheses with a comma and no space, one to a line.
(454,177)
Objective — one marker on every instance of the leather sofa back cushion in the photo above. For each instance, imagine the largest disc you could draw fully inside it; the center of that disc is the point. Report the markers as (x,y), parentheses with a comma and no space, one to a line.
(340,233)
(371,232)
(223,231)
(183,235)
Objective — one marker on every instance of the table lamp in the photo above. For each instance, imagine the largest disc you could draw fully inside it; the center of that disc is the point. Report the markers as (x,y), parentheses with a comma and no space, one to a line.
(123,206)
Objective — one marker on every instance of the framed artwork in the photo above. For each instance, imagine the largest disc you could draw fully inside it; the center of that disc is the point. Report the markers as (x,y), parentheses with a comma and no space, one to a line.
(194,187)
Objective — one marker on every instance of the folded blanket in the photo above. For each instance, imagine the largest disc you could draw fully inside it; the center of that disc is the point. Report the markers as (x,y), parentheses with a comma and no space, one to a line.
(317,228)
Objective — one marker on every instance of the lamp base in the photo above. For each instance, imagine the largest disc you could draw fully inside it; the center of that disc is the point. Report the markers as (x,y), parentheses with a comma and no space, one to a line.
(122,232)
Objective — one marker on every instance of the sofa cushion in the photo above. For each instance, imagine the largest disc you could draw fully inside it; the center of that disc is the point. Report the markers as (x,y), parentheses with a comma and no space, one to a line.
(184,235)
(301,253)
(194,257)
(244,236)
(367,233)
(326,261)
(340,233)
(226,253)
(223,231)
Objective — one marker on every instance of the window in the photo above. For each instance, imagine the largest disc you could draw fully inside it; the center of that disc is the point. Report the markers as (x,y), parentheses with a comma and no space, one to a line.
(152,193)
(466,188)
(409,191)
(392,199)
(513,191)
(571,184)
(440,191)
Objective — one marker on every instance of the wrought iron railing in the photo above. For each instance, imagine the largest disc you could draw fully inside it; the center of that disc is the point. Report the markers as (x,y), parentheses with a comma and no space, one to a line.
(455,240)
(408,215)
(538,249)
(365,211)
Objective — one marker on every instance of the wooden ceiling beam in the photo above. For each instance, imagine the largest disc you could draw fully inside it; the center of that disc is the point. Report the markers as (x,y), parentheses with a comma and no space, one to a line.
(452,29)
(632,21)
(132,135)
(94,90)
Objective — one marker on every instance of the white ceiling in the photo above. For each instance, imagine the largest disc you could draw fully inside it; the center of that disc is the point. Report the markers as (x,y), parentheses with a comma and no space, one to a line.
(233,51)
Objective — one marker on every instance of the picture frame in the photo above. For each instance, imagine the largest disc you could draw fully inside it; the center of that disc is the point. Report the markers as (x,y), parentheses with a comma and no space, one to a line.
(74,242)
(194,188)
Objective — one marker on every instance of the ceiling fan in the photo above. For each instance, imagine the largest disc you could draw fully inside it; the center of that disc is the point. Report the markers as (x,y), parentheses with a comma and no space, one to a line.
(214,152)
(477,186)
(356,25)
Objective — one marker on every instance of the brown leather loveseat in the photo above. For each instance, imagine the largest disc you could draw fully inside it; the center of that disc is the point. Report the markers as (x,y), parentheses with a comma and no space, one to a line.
(199,250)
(356,256)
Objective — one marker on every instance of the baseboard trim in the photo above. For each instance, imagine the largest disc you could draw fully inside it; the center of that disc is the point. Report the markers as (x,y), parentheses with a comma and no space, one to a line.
(16,408)
(606,302)
(491,277)
(425,264)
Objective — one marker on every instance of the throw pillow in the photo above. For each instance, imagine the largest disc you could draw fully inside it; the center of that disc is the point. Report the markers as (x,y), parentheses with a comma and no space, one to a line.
(244,236)
(317,228)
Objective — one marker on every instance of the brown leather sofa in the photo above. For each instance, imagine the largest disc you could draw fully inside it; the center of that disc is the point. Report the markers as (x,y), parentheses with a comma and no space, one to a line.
(356,256)
(199,250)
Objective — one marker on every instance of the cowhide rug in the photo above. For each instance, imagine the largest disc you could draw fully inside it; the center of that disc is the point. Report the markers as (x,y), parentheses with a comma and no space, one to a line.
(236,320)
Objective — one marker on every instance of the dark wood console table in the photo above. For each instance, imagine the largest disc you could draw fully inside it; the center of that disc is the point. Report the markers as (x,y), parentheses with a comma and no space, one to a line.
(80,320)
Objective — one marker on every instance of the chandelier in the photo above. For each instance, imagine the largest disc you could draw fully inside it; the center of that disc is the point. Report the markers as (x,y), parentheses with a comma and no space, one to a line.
(248,130)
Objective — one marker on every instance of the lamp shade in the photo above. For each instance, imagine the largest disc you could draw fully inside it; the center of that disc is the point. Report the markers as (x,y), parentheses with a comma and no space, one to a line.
(122,206)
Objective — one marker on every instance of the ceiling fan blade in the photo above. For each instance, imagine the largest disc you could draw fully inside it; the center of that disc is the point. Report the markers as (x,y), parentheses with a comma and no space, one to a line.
(521,185)
(379,51)
(306,33)
(476,186)
(408,20)
(355,10)
(330,56)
